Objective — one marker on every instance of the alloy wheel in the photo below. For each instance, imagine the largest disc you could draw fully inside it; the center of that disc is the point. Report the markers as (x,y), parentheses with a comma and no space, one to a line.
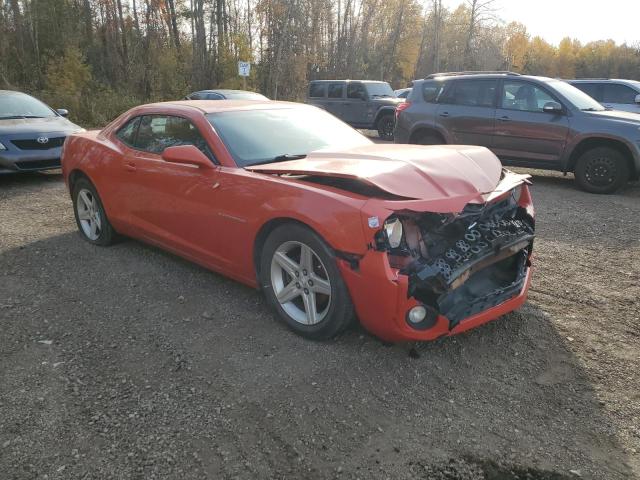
(89,214)
(300,283)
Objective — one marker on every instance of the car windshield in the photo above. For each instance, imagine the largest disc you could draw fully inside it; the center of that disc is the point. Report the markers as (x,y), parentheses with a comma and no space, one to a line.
(244,96)
(259,136)
(380,89)
(20,105)
(576,96)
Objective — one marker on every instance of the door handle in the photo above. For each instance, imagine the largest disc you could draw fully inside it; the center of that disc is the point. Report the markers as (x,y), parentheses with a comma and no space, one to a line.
(504,119)
(444,114)
(130,167)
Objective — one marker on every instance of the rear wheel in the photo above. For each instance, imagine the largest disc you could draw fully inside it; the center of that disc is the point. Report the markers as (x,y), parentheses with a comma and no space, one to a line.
(385,127)
(302,282)
(90,216)
(601,170)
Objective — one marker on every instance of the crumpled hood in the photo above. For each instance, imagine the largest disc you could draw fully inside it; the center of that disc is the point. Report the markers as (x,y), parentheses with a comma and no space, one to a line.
(409,171)
(37,125)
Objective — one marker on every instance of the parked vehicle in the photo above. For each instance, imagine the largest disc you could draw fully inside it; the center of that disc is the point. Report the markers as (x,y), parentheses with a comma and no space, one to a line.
(225,94)
(419,242)
(614,94)
(402,93)
(31,133)
(527,121)
(364,104)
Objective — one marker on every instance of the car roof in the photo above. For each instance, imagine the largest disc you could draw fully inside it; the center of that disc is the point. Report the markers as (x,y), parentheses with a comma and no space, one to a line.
(449,77)
(605,80)
(225,91)
(207,106)
(12,92)
(348,80)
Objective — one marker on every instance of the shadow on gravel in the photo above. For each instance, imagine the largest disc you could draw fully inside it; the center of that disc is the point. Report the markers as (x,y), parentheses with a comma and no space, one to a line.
(129,362)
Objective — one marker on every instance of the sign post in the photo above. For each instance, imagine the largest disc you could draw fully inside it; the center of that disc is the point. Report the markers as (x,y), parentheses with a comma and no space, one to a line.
(244,69)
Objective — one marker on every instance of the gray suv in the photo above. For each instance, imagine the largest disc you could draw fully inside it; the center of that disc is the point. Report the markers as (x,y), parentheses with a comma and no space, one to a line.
(365,104)
(613,94)
(527,121)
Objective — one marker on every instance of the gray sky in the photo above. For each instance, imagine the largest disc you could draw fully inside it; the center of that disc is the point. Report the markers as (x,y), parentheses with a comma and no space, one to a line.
(585,20)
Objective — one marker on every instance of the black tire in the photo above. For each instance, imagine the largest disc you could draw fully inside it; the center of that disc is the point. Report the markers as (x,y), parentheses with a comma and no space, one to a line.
(105,235)
(338,313)
(386,124)
(601,170)
(428,139)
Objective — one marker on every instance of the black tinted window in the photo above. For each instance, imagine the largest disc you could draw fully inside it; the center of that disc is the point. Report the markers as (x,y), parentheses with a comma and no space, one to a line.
(356,90)
(335,90)
(317,90)
(474,93)
(431,91)
(525,97)
(157,132)
(615,93)
(214,96)
(591,89)
(128,132)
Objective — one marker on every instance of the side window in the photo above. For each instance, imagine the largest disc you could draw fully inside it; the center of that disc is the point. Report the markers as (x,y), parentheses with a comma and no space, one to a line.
(616,93)
(431,91)
(591,89)
(525,97)
(214,96)
(356,90)
(335,90)
(157,132)
(128,132)
(473,93)
(317,90)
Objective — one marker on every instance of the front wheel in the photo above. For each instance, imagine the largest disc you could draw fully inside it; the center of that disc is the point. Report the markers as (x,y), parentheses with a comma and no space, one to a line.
(601,170)
(301,281)
(386,125)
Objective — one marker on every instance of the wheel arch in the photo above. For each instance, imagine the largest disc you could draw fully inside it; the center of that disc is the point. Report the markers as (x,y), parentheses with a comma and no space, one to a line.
(382,111)
(428,130)
(594,142)
(75,175)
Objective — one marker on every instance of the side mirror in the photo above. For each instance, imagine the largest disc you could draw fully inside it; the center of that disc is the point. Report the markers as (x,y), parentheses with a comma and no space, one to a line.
(552,107)
(187,155)
(638,98)
(63,112)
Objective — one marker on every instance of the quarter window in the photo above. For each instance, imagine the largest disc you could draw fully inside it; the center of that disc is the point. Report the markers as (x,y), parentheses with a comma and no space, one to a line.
(335,90)
(128,133)
(524,97)
(158,132)
(431,91)
(317,90)
(616,93)
(473,93)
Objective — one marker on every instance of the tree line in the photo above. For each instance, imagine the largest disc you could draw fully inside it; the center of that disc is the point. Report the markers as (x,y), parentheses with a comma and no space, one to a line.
(100,57)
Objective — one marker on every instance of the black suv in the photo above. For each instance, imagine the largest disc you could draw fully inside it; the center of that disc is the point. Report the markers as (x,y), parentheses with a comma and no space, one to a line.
(527,121)
(365,104)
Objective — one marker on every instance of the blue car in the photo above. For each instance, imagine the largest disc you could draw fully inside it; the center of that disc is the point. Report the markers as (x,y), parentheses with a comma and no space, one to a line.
(31,133)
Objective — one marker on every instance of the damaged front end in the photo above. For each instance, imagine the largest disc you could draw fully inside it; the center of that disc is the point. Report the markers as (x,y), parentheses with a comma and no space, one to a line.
(459,265)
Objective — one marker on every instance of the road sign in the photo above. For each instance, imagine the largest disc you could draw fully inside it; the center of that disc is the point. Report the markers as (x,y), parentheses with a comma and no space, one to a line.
(244,68)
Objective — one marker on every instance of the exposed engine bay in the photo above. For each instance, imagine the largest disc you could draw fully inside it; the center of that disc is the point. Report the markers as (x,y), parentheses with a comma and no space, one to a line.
(461,264)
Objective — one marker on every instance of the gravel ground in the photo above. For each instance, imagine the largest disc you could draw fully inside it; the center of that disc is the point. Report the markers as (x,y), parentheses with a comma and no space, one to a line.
(130,363)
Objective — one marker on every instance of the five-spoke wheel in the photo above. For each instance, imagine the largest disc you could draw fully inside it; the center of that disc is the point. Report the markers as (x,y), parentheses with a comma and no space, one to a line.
(301,280)
(90,215)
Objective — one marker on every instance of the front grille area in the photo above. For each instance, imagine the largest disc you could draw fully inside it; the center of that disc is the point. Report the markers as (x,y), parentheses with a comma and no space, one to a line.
(38,164)
(33,144)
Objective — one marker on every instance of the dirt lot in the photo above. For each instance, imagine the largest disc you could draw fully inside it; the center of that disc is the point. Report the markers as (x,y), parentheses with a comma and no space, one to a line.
(127,362)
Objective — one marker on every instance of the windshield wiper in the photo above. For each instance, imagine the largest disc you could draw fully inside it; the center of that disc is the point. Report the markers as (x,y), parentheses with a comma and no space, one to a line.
(591,109)
(16,117)
(281,158)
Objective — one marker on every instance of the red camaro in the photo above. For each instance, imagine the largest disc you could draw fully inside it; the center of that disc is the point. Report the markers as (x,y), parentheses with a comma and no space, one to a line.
(416,241)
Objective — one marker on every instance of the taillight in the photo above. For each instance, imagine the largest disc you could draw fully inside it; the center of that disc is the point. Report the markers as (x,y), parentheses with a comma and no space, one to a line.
(401,107)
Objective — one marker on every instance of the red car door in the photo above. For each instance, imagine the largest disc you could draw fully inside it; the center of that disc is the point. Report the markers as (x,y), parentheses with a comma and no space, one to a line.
(168,203)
